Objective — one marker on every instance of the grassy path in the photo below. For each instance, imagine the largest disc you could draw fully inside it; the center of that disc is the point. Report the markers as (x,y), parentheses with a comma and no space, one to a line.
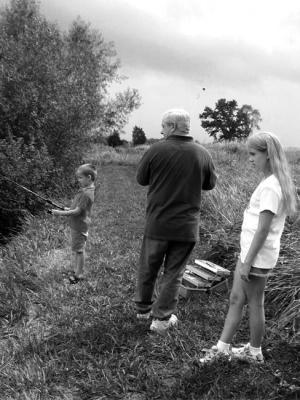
(83,342)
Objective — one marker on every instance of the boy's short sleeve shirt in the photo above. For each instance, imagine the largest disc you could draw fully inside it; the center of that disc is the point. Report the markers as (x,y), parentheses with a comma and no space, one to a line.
(266,197)
(84,199)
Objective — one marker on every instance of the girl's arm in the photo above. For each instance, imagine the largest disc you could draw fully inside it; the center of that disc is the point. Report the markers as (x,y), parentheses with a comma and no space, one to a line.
(264,223)
(75,211)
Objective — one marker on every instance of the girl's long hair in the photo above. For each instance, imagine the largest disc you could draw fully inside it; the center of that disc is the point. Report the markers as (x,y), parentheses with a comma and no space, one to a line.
(268,142)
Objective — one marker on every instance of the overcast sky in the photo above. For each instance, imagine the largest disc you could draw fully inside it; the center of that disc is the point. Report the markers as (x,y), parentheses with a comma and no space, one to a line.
(171,49)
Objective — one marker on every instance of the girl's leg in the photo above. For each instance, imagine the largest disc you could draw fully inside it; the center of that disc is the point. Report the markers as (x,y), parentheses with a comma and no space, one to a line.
(255,296)
(237,302)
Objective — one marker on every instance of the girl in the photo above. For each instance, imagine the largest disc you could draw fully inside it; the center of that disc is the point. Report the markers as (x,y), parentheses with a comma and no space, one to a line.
(263,223)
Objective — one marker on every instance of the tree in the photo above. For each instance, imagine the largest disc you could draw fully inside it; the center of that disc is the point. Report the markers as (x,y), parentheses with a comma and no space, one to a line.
(54,90)
(228,122)
(114,140)
(54,86)
(116,111)
(138,136)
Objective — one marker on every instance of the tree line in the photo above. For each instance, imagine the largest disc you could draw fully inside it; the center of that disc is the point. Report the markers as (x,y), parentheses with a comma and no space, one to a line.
(225,123)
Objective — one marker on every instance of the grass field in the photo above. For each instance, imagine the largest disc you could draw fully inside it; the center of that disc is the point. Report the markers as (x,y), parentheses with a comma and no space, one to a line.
(82,342)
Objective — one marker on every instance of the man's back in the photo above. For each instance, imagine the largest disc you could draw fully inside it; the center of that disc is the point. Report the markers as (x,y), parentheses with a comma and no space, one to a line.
(176,171)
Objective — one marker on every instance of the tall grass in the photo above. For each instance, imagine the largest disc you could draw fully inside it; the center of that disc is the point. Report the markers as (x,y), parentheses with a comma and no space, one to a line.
(103,155)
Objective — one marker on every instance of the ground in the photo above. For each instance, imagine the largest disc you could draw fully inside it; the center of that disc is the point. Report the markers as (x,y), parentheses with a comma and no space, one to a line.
(83,341)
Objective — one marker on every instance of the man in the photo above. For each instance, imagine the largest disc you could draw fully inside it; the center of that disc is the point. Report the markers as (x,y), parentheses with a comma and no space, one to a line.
(176,170)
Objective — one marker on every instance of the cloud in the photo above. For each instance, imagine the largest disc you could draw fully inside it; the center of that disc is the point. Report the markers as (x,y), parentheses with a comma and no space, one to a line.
(149,43)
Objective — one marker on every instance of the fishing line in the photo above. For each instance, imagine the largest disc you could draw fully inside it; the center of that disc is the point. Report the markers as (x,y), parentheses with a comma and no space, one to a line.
(45,199)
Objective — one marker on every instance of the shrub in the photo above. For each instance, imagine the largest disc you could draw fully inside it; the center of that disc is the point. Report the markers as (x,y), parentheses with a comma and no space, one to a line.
(114,139)
(28,166)
(138,136)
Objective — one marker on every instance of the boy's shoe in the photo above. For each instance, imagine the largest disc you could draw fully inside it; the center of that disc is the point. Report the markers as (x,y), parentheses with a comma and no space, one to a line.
(162,326)
(244,353)
(73,279)
(214,353)
(144,316)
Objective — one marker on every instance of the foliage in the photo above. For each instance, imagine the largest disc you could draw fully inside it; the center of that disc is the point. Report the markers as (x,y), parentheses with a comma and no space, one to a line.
(116,111)
(228,122)
(114,140)
(151,141)
(22,163)
(54,91)
(138,136)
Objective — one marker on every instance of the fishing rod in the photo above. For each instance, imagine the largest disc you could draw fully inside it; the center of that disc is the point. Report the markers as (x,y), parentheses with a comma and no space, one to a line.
(33,193)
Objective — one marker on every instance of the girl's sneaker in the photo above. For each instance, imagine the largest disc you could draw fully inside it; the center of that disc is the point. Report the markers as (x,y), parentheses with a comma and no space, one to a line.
(214,353)
(162,326)
(244,353)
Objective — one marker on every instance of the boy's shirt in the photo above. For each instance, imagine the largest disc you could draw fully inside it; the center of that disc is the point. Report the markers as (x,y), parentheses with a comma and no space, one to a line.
(84,199)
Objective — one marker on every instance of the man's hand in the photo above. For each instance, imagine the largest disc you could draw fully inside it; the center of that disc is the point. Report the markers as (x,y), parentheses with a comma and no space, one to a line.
(244,271)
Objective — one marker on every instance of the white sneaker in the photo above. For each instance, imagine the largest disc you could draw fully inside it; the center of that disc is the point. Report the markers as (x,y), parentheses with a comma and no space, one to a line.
(161,326)
(244,353)
(144,316)
(213,353)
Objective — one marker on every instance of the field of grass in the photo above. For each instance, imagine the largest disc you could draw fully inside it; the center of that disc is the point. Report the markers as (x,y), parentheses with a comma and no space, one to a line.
(82,342)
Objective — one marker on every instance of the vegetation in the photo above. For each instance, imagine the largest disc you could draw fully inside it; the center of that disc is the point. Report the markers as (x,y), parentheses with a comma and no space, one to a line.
(61,341)
(138,136)
(54,92)
(228,122)
(114,139)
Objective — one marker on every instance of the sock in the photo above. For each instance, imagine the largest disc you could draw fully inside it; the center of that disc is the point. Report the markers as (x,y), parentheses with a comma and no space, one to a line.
(255,350)
(223,346)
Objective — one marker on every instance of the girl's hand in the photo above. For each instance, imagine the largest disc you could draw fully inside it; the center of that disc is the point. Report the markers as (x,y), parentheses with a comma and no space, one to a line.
(244,271)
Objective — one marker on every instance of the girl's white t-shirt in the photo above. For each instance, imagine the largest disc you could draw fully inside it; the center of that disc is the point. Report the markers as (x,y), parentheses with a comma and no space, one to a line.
(267,196)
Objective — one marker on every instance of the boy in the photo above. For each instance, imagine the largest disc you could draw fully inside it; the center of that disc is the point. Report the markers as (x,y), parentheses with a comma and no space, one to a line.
(80,217)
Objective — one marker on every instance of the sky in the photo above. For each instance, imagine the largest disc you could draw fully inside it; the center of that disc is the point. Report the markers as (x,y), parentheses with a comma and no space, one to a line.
(171,49)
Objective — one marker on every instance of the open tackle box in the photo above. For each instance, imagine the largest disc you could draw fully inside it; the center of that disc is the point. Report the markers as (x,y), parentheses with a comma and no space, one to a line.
(203,276)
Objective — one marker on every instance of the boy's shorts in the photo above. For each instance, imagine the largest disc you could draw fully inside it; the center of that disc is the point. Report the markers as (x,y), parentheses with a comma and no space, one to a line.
(78,241)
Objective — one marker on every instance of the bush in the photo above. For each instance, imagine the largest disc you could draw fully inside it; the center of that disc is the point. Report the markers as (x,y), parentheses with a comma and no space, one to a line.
(138,136)
(28,166)
(114,140)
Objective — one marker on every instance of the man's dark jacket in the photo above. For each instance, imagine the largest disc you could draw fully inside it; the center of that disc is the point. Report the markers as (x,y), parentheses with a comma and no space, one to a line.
(176,170)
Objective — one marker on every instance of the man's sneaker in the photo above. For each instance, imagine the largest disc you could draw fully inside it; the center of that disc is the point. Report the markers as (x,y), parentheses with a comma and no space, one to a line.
(244,353)
(214,353)
(161,326)
(144,316)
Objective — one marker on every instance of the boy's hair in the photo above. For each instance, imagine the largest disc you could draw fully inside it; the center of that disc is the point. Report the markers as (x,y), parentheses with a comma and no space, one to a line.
(268,142)
(88,169)
(180,118)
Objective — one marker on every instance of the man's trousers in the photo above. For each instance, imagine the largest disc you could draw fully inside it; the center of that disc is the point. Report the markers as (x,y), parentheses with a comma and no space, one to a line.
(173,257)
